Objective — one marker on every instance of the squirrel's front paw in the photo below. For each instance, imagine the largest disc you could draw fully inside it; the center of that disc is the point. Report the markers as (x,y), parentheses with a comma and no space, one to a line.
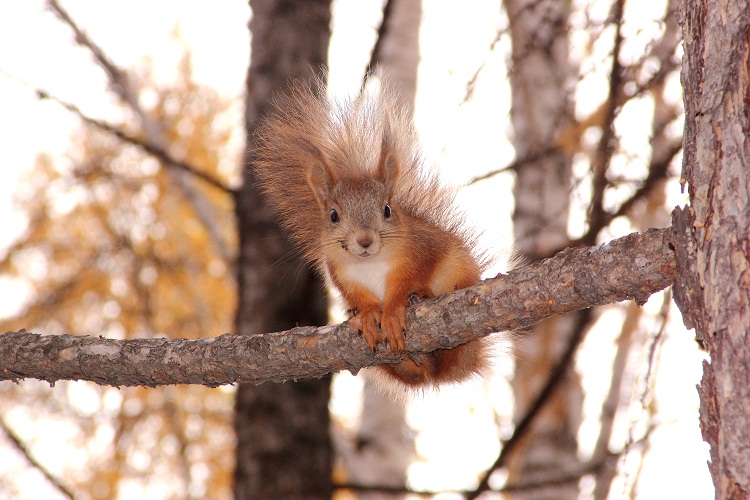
(393,325)
(367,321)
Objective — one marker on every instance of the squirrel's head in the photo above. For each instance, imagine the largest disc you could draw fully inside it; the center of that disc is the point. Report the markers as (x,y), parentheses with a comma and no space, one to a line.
(357,211)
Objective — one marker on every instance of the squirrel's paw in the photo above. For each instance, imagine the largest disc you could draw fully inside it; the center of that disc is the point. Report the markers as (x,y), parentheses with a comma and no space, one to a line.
(366,321)
(393,325)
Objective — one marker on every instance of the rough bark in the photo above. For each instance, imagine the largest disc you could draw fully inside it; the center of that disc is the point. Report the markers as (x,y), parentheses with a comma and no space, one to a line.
(632,267)
(713,234)
(283,447)
(542,108)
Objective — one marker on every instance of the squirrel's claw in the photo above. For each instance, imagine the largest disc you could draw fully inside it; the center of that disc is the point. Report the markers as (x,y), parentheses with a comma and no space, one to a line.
(417,297)
(415,358)
(393,326)
(366,321)
(376,326)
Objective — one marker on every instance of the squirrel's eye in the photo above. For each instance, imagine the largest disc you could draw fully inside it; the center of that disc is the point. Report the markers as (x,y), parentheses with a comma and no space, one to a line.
(334,215)
(387,212)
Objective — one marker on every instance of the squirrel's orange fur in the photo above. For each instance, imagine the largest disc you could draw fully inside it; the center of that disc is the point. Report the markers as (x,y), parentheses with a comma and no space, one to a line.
(348,183)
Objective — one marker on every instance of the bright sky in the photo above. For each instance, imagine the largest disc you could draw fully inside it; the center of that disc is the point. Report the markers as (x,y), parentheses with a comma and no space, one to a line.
(465,138)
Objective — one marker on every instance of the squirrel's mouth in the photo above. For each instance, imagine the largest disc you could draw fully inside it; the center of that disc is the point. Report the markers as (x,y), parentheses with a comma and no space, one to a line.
(367,253)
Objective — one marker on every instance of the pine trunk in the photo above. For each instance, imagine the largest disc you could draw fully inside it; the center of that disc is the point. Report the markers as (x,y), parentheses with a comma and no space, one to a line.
(713,234)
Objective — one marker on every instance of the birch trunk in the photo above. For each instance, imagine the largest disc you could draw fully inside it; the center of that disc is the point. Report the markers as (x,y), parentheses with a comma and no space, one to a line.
(540,81)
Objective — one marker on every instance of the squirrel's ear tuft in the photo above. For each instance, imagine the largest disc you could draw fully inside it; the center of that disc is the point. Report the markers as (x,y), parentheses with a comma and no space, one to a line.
(319,180)
(388,164)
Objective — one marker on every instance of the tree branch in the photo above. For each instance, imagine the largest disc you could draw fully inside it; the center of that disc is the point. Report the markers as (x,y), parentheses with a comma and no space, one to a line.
(117,77)
(147,146)
(154,141)
(21,447)
(376,53)
(632,267)
(544,479)
(554,379)
(605,147)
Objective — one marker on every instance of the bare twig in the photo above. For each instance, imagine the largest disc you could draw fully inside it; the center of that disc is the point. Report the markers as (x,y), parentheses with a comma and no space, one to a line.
(515,165)
(117,77)
(609,407)
(471,83)
(541,481)
(150,148)
(375,54)
(153,131)
(645,397)
(21,447)
(555,377)
(603,154)
(658,170)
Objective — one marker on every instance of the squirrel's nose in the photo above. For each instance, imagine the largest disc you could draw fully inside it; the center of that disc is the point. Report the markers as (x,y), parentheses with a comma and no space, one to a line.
(365,241)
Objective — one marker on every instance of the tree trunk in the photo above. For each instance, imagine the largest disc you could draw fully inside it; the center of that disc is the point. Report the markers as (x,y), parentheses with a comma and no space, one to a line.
(283,447)
(713,243)
(540,81)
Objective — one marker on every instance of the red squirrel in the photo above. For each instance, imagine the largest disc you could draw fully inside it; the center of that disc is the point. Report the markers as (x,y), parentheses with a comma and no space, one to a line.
(349,185)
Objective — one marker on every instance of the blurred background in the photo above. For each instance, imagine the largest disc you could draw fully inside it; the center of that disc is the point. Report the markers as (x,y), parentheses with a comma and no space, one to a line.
(123,131)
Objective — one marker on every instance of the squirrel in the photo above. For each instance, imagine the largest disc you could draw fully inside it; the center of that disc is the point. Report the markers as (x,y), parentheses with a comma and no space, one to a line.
(347,181)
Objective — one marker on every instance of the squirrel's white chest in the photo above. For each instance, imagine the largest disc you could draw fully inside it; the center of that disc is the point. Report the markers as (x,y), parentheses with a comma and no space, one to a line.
(370,273)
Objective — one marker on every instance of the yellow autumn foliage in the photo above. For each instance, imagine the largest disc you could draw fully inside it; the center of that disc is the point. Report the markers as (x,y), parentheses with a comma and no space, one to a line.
(114,246)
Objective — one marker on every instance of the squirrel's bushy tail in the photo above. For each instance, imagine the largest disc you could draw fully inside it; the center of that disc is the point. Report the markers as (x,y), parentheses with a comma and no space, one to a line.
(443,366)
